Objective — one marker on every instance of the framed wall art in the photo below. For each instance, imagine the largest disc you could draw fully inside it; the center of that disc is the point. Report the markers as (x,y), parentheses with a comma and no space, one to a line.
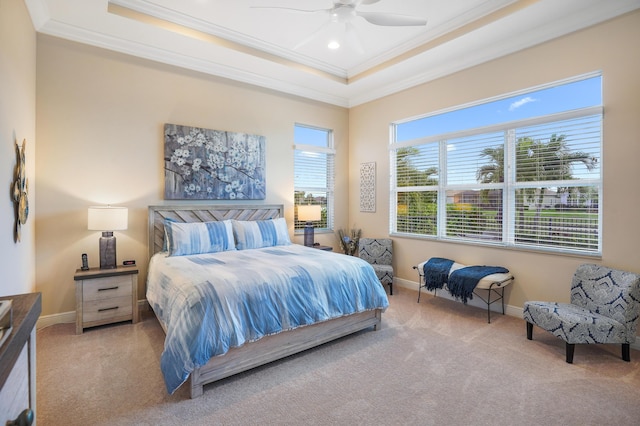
(368,187)
(20,190)
(205,164)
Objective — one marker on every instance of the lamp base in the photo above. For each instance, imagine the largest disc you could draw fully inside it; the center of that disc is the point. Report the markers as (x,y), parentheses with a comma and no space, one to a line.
(107,250)
(308,235)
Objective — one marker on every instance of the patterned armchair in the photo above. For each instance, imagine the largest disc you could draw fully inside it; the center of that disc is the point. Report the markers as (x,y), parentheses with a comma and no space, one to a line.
(379,253)
(604,308)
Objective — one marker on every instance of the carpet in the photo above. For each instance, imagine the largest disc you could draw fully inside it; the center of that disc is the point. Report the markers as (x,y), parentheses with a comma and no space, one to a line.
(433,363)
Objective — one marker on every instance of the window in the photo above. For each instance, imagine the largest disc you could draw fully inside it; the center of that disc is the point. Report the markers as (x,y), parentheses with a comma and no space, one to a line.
(314,173)
(521,171)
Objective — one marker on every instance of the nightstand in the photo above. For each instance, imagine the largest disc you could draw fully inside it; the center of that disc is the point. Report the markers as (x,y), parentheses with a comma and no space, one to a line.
(105,296)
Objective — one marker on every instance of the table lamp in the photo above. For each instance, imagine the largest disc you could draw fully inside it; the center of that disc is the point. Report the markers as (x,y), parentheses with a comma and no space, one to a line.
(107,219)
(309,214)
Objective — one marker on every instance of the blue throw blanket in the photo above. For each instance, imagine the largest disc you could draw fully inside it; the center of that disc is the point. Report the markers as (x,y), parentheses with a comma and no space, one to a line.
(463,281)
(436,272)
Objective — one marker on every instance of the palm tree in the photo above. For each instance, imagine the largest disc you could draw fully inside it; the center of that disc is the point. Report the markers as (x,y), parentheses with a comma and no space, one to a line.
(494,171)
(536,161)
(548,161)
(560,159)
(408,174)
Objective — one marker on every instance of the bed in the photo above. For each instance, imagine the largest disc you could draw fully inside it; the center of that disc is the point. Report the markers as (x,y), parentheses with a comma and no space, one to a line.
(229,306)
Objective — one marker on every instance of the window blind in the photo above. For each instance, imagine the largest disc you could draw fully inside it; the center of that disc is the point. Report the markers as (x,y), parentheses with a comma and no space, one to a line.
(533,183)
(314,174)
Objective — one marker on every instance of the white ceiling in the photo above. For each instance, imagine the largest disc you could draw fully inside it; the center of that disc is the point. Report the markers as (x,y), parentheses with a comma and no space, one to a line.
(236,40)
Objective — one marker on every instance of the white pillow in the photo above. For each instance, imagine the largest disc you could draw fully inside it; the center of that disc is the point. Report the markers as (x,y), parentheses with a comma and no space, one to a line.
(260,233)
(198,237)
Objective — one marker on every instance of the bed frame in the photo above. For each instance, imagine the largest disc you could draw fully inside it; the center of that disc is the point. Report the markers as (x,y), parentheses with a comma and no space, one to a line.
(269,348)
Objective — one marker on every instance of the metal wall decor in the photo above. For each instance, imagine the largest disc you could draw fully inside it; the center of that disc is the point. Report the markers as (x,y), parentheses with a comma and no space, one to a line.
(368,187)
(205,164)
(21,189)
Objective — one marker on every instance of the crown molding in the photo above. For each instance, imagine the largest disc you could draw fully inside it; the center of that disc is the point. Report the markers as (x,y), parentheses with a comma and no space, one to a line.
(469,47)
(81,35)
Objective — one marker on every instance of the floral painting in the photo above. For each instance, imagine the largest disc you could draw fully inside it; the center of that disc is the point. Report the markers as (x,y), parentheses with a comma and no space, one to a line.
(204,164)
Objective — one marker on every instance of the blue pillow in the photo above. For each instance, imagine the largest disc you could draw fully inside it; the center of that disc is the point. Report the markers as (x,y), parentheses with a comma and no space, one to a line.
(165,240)
(260,233)
(198,237)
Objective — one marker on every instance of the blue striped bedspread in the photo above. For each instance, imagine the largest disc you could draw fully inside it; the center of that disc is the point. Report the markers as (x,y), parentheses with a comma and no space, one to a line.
(210,303)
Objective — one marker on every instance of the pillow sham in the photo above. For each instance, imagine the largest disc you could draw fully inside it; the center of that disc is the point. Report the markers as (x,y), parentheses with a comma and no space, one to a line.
(198,237)
(165,243)
(253,234)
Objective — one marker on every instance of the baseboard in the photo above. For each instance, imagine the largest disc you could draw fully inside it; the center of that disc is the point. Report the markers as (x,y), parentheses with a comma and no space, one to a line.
(62,318)
(70,317)
(513,311)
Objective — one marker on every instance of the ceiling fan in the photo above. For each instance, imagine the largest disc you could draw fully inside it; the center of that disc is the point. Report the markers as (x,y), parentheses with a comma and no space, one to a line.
(343,12)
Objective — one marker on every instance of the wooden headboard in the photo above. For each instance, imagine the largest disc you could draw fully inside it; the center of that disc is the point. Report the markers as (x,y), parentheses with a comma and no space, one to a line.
(204,213)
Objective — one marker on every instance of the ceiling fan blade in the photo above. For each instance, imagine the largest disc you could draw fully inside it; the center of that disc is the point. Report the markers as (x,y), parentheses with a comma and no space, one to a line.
(351,38)
(392,19)
(355,2)
(290,9)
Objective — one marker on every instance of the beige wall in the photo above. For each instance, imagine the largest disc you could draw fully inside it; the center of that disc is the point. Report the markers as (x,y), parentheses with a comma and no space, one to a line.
(100,118)
(611,47)
(17,122)
(99,123)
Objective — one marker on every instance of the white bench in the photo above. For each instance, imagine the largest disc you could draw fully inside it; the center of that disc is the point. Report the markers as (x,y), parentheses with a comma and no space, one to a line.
(494,284)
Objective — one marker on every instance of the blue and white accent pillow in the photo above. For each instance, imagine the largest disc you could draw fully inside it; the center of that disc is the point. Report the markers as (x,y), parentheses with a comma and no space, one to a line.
(261,233)
(198,237)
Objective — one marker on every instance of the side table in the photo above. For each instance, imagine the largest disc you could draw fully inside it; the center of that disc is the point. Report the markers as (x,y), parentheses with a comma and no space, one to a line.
(105,296)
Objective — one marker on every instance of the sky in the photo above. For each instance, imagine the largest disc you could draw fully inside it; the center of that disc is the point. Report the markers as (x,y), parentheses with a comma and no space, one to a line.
(567,97)
(310,136)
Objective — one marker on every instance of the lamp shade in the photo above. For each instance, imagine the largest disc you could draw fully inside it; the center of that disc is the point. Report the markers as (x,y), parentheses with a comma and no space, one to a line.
(309,213)
(107,218)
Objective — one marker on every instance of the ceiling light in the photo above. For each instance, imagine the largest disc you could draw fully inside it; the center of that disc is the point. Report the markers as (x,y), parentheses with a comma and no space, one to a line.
(333,44)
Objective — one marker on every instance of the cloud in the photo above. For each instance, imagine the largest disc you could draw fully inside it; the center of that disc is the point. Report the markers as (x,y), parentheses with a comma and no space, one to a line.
(523,101)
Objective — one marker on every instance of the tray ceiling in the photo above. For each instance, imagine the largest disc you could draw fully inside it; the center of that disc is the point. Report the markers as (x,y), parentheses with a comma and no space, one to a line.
(286,50)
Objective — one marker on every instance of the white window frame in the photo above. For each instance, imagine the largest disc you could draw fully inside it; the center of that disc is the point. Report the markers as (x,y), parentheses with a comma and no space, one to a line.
(329,190)
(508,187)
